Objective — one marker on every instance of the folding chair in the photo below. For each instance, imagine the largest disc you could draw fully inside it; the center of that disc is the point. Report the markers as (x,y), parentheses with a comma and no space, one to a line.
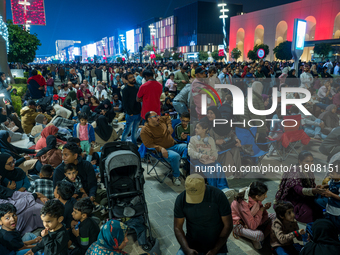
(247,136)
(152,154)
(293,135)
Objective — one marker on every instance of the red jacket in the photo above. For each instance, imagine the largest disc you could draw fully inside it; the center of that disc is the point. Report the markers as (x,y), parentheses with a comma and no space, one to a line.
(39,79)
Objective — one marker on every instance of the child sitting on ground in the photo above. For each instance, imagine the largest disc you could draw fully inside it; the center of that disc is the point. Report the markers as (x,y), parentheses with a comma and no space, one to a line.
(331,198)
(11,238)
(203,152)
(71,176)
(250,218)
(285,229)
(84,132)
(64,192)
(44,184)
(182,130)
(54,237)
(88,229)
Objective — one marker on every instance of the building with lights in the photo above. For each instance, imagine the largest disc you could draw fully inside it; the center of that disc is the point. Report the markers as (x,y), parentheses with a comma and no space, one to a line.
(274,25)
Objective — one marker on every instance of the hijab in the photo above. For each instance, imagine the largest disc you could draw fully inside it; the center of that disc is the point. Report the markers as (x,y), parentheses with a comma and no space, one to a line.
(107,102)
(293,178)
(51,143)
(112,235)
(333,116)
(71,96)
(257,87)
(81,99)
(9,110)
(265,97)
(86,109)
(221,130)
(103,130)
(100,88)
(62,113)
(325,239)
(3,118)
(49,130)
(15,175)
(4,144)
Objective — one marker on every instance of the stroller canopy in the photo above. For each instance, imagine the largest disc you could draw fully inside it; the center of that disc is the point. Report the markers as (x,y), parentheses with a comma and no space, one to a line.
(120,159)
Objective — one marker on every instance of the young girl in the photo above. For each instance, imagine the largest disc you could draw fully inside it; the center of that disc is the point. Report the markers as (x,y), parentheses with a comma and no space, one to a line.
(203,153)
(285,229)
(85,132)
(171,85)
(80,105)
(250,218)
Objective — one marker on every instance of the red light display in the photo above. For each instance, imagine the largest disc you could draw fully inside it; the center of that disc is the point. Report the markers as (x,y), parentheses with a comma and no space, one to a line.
(35,12)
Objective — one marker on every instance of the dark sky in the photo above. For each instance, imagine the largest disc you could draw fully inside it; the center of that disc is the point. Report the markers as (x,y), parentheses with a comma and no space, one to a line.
(91,20)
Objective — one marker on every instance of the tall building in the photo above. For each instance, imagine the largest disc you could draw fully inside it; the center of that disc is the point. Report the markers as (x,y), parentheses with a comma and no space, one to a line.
(199,27)
(275,25)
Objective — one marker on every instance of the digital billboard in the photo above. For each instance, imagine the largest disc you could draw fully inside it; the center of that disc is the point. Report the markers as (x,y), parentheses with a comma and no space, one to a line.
(130,40)
(30,12)
(300,34)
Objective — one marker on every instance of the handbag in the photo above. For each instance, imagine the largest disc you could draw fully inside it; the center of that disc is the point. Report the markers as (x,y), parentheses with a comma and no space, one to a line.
(228,145)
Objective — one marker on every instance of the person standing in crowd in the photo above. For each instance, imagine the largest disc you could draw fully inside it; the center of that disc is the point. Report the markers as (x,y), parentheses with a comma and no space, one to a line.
(49,85)
(337,69)
(36,85)
(306,78)
(131,107)
(194,205)
(150,93)
(94,76)
(329,66)
(181,78)
(61,73)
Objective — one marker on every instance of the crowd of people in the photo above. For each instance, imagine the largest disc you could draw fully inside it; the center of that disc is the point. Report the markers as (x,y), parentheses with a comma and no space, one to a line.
(55,184)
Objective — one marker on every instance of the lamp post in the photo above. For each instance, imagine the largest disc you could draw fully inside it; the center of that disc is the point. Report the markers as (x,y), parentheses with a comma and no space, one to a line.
(153,33)
(25,3)
(223,16)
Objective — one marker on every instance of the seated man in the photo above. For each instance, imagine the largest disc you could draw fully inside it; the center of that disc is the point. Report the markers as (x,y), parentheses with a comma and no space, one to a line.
(182,130)
(157,134)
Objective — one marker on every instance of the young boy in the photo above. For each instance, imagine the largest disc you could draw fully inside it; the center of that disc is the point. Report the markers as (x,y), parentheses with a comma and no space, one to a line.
(64,192)
(44,185)
(54,237)
(84,132)
(285,229)
(11,238)
(182,130)
(88,230)
(71,176)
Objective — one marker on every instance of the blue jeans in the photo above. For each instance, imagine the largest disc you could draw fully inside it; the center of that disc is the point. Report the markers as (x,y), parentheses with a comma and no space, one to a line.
(49,91)
(181,252)
(174,157)
(322,106)
(289,250)
(314,130)
(25,238)
(53,75)
(131,122)
(180,107)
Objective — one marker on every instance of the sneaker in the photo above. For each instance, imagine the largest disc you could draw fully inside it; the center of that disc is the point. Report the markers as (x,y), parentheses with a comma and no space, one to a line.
(176,181)
(317,137)
(257,245)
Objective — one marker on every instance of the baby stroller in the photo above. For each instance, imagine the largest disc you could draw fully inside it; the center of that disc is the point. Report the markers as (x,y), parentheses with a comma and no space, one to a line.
(122,174)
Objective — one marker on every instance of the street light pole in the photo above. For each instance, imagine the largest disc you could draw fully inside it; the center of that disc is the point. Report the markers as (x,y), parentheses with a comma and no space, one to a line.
(223,16)
(153,33)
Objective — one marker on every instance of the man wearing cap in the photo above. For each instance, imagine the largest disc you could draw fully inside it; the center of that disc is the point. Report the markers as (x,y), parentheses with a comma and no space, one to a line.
(208,218)
(181,78)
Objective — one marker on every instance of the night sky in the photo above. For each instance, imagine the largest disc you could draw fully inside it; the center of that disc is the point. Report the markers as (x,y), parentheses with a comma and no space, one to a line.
(91,20)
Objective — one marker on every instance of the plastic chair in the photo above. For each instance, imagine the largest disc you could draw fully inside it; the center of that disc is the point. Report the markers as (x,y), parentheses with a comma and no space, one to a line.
(293,135)
(247,136)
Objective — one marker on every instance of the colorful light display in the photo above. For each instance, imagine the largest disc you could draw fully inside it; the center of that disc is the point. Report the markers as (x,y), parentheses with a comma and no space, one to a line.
(4,32)
(30,12)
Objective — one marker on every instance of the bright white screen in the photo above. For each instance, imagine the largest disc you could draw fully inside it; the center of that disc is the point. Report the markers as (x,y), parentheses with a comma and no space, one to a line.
(130,40)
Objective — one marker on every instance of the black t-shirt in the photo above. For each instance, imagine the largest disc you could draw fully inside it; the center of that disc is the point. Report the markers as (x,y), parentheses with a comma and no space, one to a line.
(12,240)
(203,221)
(88,234)
(68,212)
